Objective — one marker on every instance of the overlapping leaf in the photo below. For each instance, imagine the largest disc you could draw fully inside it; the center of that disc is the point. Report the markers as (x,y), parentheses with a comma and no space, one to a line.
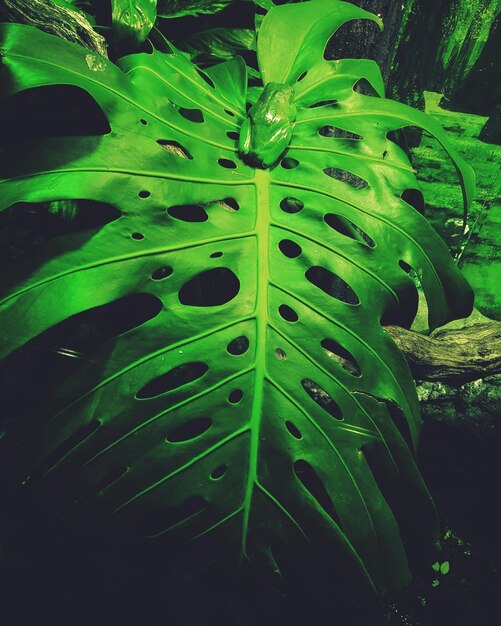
(223,377)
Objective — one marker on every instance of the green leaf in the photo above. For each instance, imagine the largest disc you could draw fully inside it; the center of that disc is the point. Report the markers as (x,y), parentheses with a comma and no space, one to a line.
(218,44)
(182,8)
(312,24)
(203,341)
(133,20)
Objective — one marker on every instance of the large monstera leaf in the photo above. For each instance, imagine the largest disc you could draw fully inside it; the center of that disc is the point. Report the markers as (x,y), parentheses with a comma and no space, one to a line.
(209,335)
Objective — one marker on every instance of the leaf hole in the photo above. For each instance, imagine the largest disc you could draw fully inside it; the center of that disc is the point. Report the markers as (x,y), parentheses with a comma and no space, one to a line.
(193,115)
(66,448)
(364,87)
(219,472)
(332,284)
(206,78)
(188,212)
(51,111)
(280,354)
(415,199)
(324,103)
(144,194)
(213,287)
(230,204)
(301,76)
(349,229)
(162,272)
(227,163)
(25,226)
(344,176)
(173,379)
(291,205)
(235,396)
(232,135)
(137,236)
(338,133)
(143,122)
(230,113)
(175,148)
(288,314)
(216,255)
(341,356)
(290,248)
(289,163)
(238,346)
(190,430)
(322,398)
(314,485)
(350,40)
(293,429)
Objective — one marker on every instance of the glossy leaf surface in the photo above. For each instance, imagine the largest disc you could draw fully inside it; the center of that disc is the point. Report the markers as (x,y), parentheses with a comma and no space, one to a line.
(218,370)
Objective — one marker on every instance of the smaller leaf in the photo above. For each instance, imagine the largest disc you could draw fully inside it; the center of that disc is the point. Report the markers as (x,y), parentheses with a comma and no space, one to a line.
(132,21)
(444,568)
(436,566)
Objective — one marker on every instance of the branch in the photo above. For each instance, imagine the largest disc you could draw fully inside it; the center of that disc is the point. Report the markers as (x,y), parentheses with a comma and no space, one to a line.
(69,24)
(454,355)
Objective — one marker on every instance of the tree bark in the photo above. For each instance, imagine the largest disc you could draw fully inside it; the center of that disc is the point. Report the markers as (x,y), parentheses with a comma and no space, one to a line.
(454,356)
(69,24)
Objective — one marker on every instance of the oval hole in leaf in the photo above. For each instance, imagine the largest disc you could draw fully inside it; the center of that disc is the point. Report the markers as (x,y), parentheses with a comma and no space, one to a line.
(293,429)
(230,204)
(230,113)
(349,229)
(238,346)
(190,430)
(232,135)
(289,163)
(26,225)
(312,482)
(280,354)
(143,122)
(341,356)
(227,163)
(172,516)
(213,287)
(350,41)
(137,236)
(415,198)
(338,133)
(331,284)
(219,472)
(188,212)
(301,76)
(323,103)
(144,194)
(322,398)
(216,255)
(291,205)
(174,147)
(206,78)
(288,314)
(235,396)
(173,379)
(51,111)
(346,177)
(108,480)
(66,448)
(162,272)
(364,87)
(290,248)
(193,115)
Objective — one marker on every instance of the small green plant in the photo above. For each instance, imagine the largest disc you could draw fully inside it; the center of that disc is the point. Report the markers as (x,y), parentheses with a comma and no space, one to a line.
(201,322)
